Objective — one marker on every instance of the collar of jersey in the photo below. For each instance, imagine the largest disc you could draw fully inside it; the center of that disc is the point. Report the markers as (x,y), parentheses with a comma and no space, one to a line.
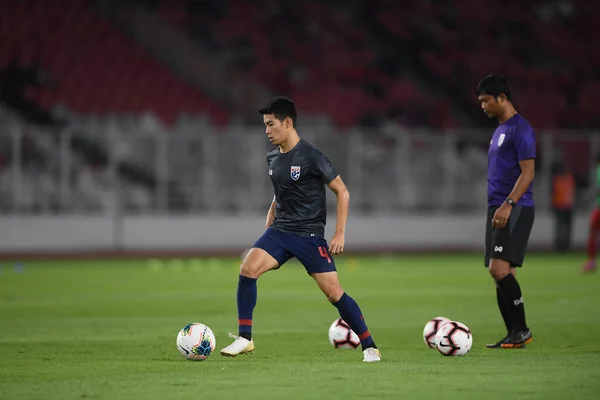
(292,149)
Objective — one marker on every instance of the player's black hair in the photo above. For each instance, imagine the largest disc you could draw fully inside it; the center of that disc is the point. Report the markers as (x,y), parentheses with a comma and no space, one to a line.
(494,85)
(281,107)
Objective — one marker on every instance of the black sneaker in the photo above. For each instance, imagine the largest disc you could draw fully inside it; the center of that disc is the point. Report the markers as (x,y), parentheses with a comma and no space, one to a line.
(518,340)
(498,344)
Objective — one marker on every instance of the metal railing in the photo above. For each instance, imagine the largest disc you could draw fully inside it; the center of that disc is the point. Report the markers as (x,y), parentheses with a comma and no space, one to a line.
(132,169)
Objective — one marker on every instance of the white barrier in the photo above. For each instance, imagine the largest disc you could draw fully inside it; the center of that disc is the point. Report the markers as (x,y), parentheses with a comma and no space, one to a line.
(231,234)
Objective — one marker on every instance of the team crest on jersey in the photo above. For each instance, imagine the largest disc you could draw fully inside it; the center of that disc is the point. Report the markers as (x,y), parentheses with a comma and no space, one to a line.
(501,139)
(295,172)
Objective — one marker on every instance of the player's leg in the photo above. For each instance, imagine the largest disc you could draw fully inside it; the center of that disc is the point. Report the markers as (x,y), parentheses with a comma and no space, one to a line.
(592,243)
(503,304)
(349,311)
(508,251)
(505,310)
(265,255)
(510,290)
(256,263)
(314,254)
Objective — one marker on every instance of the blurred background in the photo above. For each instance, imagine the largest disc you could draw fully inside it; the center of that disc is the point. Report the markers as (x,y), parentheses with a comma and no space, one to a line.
(132,125)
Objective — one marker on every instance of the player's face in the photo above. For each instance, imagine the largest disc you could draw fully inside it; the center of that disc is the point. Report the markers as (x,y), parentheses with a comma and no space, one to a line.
(491,106)
(275,129)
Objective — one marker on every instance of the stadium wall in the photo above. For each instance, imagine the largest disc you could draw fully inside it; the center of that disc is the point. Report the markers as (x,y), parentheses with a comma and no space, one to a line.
(27,237)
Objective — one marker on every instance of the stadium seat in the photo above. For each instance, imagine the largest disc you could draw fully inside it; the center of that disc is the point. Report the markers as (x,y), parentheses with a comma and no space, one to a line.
(544,50)
(95,67)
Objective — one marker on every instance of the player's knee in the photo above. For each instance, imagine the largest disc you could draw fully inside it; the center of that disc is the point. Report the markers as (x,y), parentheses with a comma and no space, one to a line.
(496,275)
(256,263)
(250,269)
(330,285)
(498,271)
(334,294)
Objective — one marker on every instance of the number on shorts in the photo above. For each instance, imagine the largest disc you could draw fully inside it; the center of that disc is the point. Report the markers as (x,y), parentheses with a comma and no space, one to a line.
(323,252)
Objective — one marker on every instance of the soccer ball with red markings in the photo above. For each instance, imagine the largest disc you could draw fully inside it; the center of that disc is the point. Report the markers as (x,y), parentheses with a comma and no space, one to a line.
(431,329)
(196,342)
(341,336)
(454,339)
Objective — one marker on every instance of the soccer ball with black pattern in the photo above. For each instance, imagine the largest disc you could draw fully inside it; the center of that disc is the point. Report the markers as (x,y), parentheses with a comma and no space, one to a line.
(196,342)
(454,339)
(341,336)
(431,329)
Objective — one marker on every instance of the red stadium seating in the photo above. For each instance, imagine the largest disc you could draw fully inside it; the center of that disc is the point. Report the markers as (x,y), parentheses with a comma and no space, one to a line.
(327,65)
(414,61)
(545,48)
(97,69)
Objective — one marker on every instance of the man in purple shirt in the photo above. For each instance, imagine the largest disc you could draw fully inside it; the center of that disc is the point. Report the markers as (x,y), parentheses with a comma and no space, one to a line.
(511,163)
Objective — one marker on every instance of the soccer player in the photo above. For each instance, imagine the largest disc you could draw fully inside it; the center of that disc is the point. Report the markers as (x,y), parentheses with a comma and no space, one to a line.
(295,227)
(510,216)
(590,265)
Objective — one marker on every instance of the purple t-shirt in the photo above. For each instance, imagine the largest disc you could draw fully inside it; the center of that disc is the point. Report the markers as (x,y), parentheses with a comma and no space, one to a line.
(513,141)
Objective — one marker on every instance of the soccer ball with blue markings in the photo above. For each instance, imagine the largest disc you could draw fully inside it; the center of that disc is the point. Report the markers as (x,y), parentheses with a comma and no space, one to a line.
(196,342)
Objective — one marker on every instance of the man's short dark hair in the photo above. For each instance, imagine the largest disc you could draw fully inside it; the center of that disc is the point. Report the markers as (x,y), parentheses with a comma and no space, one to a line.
(494,85)
(282,108)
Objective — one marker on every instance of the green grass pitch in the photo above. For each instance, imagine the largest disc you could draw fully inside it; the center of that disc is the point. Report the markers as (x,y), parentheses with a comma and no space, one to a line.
(107,329)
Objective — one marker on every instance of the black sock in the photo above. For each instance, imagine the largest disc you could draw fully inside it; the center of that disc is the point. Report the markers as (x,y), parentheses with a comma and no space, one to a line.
(512,293)
(505,310)
(246,335)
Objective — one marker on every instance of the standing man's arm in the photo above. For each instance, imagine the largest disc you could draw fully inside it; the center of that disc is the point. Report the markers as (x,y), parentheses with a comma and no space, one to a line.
(337,186)
(525,148)
(527,174)
(524,180)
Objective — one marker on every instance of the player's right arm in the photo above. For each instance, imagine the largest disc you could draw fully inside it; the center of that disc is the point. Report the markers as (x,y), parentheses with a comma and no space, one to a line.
(270,214)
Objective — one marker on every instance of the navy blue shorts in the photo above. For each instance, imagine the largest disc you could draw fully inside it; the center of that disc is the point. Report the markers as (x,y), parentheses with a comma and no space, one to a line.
(311,251)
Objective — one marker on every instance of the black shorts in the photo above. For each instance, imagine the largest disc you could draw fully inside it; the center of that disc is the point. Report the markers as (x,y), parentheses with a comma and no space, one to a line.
(509,243)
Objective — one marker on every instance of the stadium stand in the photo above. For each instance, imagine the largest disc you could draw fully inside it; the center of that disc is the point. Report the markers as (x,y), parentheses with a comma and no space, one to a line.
(380,64)
(95,68)
(388,56)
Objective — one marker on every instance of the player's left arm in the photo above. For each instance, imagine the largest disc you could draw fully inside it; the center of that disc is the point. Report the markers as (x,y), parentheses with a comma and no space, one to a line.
(524,180)
(337,186)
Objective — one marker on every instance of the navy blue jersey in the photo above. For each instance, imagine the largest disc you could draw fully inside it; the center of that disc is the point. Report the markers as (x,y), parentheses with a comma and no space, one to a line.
(299,178)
